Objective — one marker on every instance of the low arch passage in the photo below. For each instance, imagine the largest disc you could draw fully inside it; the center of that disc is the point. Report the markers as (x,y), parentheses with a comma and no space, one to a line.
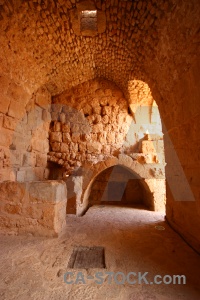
(119,186)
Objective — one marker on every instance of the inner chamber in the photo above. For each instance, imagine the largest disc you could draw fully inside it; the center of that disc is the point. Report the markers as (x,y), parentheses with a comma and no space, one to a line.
(117,185)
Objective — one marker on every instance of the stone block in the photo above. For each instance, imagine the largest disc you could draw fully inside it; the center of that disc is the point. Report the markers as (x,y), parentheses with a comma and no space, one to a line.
(73,147)
(16,110)
(55,146)
(7,174)
(46,116)
(75,137)
(94,147)
(106,110)
(39,173)
(111,137)
(43,98)
(64,147)
(18,94)
(125,160)
(4,84)
(159,146)
(29,159)
(87,109)
(29,173)
(49,191)
(54,116)
(66,127)
(4,103)
(37,145)
(38,207)
(148,147)
(21,176)
(6,136)
(57,107)
(62,118)
(41,160)
(66,137)
(75,128)
(13,209)
(31,119)
(56,137)
(106,149)
(15,158)
(46,146)
(97,128)
(97,109)
(57,126)
(12,191)
(10,123)
(34,211)
(82,147)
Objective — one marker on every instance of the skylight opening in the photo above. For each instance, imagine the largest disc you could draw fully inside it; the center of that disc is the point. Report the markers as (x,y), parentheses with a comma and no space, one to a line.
(89,20)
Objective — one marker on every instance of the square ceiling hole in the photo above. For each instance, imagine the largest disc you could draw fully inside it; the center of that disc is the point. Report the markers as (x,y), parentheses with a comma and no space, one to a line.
(87,258)
(89,20)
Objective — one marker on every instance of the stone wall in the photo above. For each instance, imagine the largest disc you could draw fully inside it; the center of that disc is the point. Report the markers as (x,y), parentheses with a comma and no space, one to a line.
(93,123)
(89,122)
(24,126)
(152,181)
(153,41)
(38,208)
(182,154)
(43,34)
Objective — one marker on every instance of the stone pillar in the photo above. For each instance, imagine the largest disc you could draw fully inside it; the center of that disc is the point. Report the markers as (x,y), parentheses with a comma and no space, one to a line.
(74,192)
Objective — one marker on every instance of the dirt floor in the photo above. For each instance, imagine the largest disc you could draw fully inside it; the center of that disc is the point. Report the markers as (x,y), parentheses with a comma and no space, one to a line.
(35,268)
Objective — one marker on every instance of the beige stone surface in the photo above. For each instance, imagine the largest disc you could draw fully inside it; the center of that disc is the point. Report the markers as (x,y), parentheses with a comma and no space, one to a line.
(36,267)
(37,208)
(23,131)
(149,49)
(92,122)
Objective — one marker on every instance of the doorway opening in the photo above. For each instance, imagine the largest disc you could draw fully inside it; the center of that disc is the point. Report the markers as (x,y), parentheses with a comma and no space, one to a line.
(119,186)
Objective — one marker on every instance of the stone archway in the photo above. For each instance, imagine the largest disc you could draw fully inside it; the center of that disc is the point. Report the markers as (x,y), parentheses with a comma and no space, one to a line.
(119,186)
(153,186)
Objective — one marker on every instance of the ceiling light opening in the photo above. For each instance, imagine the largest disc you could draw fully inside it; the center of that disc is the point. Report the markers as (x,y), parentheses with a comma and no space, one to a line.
(89,20)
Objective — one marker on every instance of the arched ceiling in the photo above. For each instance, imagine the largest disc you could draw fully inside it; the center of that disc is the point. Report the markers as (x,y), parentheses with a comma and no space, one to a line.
(39,45)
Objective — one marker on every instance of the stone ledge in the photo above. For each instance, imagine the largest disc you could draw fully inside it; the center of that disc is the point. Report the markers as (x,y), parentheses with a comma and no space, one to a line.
(38,208)
(49,191)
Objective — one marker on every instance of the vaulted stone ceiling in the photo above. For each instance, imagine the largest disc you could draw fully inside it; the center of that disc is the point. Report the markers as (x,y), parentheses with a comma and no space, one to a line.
(40,46)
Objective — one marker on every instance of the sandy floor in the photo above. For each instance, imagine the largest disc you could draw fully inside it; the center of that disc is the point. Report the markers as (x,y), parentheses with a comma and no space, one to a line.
(34,268)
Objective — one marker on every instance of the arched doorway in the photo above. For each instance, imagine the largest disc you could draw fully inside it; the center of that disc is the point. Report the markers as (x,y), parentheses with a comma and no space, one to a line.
(118,185)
